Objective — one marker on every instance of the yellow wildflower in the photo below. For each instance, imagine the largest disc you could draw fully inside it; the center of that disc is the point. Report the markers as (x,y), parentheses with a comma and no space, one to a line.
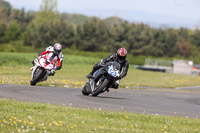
(31,123)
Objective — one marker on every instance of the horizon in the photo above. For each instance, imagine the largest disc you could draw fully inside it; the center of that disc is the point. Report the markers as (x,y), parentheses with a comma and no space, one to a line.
(130,10)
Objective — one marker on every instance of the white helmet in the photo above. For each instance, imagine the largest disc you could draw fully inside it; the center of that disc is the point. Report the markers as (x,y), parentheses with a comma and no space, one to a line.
(57,48)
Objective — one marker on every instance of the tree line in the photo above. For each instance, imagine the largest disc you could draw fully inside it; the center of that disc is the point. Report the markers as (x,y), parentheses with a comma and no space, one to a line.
(74,31)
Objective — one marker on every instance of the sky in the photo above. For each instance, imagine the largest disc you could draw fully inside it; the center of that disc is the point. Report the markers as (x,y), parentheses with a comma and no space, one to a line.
(157,13)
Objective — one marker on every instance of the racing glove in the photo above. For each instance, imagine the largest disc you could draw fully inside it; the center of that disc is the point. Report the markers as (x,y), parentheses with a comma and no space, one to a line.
(102,63)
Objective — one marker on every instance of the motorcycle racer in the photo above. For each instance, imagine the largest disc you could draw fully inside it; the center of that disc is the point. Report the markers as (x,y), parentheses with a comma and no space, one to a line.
(120,57)
(53,54)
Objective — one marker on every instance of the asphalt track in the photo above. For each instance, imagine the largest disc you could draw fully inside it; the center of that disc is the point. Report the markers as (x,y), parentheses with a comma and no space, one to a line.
(167,102)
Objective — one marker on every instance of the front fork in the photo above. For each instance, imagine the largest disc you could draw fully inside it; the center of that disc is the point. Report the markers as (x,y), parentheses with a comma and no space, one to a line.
(33,71)
(34,67)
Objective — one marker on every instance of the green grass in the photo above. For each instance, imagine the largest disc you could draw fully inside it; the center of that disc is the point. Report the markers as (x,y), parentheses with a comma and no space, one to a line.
(15,69)
(18,116)
(18,47)
(25,59)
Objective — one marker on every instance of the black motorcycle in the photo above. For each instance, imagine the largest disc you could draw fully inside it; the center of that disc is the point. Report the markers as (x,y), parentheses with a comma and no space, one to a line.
(105,78)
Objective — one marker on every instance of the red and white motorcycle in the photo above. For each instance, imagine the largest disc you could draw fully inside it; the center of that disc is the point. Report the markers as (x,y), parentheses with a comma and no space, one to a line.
(41,70)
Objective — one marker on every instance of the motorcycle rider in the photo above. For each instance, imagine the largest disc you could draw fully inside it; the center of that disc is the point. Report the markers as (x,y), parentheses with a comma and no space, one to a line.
(120,57)
(53,54)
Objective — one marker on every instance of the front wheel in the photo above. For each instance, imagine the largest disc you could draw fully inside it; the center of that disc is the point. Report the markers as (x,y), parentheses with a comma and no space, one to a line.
(36,77)
(100,88)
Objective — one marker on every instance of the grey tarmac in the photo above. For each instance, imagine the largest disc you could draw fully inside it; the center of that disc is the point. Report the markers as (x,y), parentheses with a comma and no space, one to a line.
(155,101)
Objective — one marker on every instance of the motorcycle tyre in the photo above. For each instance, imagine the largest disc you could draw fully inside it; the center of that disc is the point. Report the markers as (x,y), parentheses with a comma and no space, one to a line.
(100,89)
(84,91)
(36,77)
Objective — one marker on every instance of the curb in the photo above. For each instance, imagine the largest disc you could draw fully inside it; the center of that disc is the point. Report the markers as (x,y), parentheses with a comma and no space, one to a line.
(188,88)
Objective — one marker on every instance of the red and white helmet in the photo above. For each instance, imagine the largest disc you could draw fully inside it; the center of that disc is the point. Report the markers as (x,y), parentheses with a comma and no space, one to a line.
(57,48)
(121,54)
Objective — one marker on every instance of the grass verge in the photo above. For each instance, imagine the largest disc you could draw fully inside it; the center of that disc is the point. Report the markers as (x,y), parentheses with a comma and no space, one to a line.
(15,69)
(18,116)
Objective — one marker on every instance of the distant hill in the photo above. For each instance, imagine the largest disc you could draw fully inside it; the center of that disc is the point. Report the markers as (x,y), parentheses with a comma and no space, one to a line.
(77,19)
(80,19)
(114,21)
(5,4)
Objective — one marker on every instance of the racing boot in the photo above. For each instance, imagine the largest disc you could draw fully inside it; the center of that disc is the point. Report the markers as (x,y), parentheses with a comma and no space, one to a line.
(95,67)
(32,68)
(107,90)
(89,75)
(116,84)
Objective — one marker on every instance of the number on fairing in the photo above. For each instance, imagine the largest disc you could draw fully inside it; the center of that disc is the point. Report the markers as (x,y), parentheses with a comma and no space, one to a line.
(112,72)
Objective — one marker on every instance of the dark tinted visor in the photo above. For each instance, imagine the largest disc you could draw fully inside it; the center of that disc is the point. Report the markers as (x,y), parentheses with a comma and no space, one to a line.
(57,52)
(121,57)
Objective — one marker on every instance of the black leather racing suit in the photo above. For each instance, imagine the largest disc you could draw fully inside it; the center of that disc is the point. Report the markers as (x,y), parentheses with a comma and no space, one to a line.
(124,65)
(113,57)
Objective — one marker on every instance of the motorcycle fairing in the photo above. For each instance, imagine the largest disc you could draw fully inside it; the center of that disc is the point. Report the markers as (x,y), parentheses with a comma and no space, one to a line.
(42,62)
(45,64)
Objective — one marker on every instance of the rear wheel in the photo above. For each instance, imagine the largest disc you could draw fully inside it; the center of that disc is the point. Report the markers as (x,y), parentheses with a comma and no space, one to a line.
(100,88)
(37,76)
(84,90)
